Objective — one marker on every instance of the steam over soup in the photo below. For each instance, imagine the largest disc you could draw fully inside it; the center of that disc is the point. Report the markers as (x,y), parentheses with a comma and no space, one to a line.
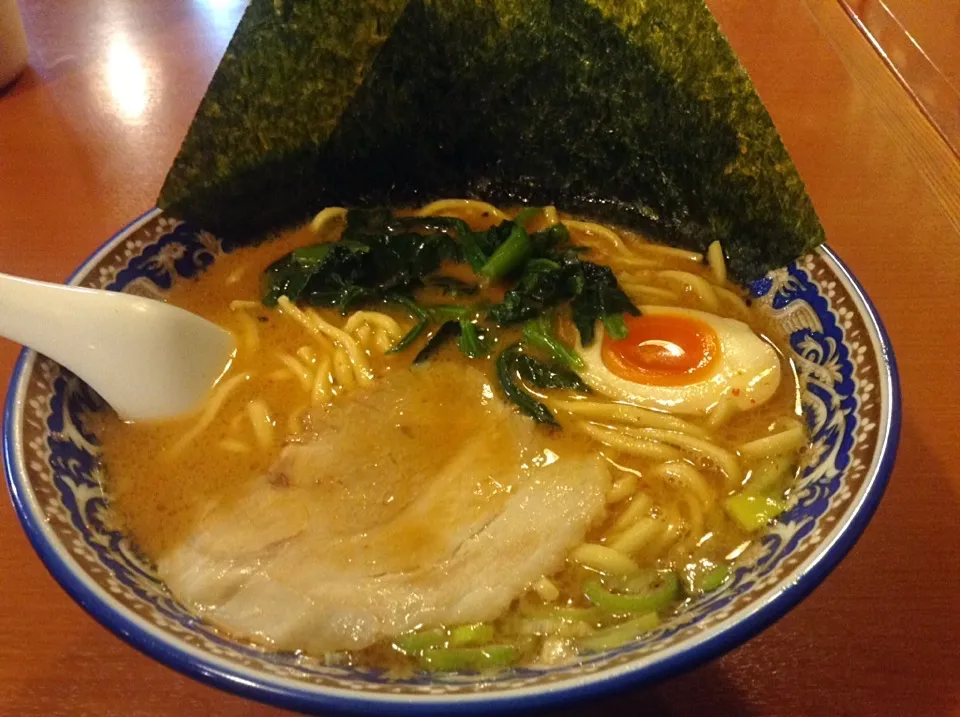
(460,439)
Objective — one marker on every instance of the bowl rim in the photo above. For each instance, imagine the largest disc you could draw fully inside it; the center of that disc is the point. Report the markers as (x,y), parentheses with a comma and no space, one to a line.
(280,692)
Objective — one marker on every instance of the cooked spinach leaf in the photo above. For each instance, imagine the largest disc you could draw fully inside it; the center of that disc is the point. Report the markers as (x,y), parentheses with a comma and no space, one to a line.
(448,312)
(446,332)
(451,286)
(361,268)
(550,240)
(544,375)
(540,333)
(335,264)
(601,297)
(472,247)
(541,286)
(510,256)
(507,375)
(525,215)
(421,317)
(381,257)
(591,289)
(615,326)
(471,341)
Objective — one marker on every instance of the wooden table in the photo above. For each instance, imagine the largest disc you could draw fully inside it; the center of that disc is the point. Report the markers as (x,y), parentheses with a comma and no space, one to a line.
(86,138)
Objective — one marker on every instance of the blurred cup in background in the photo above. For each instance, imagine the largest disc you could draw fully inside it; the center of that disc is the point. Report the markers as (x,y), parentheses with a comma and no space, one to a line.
(13,43)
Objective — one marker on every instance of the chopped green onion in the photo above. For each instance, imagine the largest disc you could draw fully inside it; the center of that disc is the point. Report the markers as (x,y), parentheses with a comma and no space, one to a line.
(553,627)
(616,327)
(469,659)
(771,475)
(705,578)
(653,598)
(585,614)
(509,256)
(618,635)
(753,512)
(413,643)
(478,633)
(540,333)
(713,579)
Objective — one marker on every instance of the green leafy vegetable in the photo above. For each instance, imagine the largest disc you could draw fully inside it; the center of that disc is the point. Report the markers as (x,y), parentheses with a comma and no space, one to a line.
(471,342)
(525,215)
(365,267)
(545,375)
(591,289)
(507,375)
(549,241)
(448,312)
(601,297)
(539,333)
(513,365)
(473,247)
(419,314)
(452,287)
(615,325)
(510,256)
(445,333)
(291,275)
(541,286)
(380,255)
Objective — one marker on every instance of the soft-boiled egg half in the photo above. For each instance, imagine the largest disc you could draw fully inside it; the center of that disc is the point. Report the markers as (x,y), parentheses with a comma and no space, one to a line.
(682,361)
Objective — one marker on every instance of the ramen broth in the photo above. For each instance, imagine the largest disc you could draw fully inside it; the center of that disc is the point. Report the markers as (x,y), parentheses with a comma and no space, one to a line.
(163,478)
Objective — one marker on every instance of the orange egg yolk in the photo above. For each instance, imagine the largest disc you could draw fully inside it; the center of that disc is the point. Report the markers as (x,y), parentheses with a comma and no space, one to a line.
(662,350)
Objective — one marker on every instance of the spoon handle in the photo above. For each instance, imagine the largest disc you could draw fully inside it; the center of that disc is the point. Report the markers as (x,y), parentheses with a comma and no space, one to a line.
(146,358)
(52,319)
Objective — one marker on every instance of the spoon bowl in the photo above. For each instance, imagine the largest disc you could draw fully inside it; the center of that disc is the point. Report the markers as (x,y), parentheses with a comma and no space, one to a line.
(147,359)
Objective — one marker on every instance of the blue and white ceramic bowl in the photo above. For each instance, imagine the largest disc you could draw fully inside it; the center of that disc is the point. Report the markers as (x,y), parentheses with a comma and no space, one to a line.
(852,402)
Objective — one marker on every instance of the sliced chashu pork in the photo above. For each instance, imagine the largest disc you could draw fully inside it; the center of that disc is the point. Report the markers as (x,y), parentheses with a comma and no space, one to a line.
(422,501)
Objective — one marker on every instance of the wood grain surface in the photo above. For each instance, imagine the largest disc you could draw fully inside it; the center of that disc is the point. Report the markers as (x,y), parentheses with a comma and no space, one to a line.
(85,140)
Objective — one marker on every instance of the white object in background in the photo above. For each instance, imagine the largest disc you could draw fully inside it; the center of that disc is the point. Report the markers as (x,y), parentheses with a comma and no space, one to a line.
(146,358)
(13,42)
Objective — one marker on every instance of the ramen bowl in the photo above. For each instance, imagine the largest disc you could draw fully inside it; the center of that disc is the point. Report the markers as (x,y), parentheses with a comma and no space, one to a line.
(851,401)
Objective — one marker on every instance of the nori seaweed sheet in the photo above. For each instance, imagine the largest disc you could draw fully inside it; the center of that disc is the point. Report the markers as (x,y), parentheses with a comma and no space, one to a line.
(631,111)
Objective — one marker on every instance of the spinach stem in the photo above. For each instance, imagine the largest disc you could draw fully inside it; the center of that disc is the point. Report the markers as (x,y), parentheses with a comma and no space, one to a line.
(509,256)
(540,333)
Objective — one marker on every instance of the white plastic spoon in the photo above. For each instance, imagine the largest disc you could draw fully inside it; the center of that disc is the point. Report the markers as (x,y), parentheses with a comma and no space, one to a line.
(146,358)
